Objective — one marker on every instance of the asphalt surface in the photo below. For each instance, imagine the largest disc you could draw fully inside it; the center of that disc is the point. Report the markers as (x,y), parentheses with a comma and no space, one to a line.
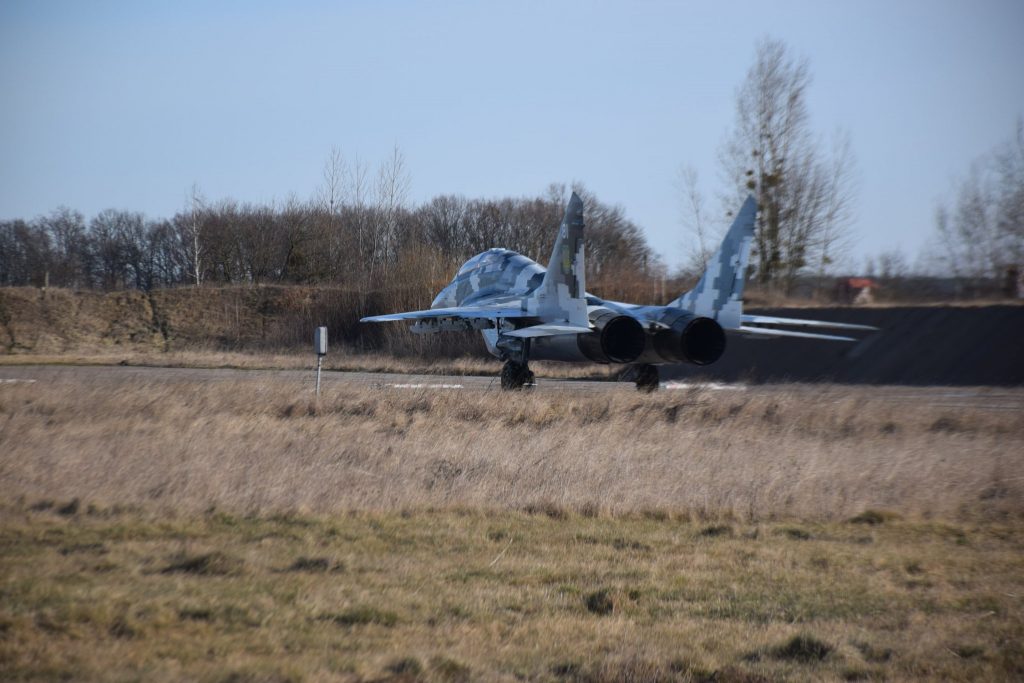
(986,398)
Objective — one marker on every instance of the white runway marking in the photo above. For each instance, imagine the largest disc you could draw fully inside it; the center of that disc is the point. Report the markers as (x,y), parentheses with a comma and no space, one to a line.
(17,381)
(710,386)
(425,386)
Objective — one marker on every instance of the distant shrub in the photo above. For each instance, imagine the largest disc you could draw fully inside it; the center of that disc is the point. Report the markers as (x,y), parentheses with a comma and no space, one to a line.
(310,564)
(600,602)
(802,648)
(209,564)
(874,517)
(360,616)
(796,533)
(70,509)
(406,666)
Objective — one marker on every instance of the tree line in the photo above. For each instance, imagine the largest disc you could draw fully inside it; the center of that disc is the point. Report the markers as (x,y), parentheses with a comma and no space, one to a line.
(338,238)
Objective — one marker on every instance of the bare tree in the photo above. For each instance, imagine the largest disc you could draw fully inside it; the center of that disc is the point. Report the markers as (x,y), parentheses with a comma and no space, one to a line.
(330,195)
(195,229)
(804,196)
(694,217)
(982,234)
(392,194)
(67,256)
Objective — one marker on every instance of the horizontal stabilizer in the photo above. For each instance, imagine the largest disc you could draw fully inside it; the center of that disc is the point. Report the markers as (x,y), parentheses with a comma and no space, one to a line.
(796,322)
(492,311)
(765,333)
(549,330)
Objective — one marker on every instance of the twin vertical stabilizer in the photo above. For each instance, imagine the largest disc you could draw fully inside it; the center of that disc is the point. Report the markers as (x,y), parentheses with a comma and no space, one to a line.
(562,293)
(719,294)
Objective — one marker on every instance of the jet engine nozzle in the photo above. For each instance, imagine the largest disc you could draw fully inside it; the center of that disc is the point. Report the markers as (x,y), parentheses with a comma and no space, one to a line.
(690,339)
(616,338)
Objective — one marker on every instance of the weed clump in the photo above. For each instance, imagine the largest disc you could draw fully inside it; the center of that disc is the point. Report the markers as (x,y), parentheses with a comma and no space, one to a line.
(70,509)
(600,602)
(406,666)
(310,564)
(567,670)
(716,530)
(802,648)
(120,628)
(878,655)
(208,564)
(874,517)
(361,616)
(968,651)
(548,508)
(796,533)
(627,544)
(945,424)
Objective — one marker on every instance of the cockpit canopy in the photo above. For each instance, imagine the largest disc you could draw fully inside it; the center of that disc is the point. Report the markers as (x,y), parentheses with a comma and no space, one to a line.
(493,272)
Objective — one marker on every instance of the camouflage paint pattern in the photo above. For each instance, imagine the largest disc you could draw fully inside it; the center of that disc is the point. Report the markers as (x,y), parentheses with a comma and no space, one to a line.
(504,276)
(511,299)
(719,293)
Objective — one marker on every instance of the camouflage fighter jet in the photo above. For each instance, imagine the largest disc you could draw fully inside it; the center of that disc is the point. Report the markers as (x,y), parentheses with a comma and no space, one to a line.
(527,312)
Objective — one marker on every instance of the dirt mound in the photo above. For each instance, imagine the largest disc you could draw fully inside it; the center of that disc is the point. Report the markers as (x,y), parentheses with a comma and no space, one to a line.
(59,320)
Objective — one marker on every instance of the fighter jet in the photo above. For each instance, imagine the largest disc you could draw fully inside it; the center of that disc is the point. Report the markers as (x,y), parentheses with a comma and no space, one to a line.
(527,312)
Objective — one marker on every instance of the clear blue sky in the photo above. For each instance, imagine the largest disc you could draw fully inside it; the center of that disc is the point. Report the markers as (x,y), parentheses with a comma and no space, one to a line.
(126,104)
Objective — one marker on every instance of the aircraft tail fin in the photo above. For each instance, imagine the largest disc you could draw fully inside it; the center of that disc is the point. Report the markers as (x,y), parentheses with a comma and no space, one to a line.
(564,286)
(719,293)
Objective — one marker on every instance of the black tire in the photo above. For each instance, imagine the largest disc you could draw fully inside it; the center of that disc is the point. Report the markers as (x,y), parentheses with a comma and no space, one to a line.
(647,378)
(513,376)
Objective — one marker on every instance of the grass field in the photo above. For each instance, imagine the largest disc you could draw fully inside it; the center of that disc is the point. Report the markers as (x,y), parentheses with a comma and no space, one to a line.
(458,596)
(230,531)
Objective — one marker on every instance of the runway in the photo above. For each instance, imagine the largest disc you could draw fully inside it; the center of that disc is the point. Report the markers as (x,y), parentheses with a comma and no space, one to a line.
(986,398)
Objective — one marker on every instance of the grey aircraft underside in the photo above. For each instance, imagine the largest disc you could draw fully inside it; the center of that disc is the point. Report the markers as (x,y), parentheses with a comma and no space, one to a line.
(527,312)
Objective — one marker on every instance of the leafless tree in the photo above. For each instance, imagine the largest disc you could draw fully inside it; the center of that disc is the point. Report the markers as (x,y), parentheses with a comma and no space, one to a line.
(893,264)
(981,235)
(392,194)
(805,196)
(195,229)
(331,193)
(694,218)
(68,255)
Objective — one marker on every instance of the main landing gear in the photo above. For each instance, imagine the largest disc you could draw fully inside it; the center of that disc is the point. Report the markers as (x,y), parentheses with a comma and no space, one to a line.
(647,379)
(515,375)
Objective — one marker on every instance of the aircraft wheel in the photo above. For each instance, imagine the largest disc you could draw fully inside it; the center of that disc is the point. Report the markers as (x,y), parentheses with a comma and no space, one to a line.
(647,378)
(515,375)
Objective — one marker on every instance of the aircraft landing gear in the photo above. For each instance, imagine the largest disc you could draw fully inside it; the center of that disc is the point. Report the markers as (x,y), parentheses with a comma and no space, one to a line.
(516,376)
(647,379)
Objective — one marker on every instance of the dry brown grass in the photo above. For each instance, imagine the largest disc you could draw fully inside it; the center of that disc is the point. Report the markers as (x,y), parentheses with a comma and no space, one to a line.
(238,530)
(262,445)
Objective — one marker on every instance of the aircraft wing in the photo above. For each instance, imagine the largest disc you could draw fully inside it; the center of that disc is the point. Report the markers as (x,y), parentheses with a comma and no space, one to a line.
(796,322)
(768,333)
(548,330)
(489,311)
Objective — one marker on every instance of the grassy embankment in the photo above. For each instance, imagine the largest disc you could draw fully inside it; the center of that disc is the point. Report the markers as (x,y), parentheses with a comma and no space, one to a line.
(229,531)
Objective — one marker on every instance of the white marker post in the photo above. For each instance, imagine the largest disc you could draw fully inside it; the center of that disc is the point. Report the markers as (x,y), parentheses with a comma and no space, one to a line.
(320,346)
